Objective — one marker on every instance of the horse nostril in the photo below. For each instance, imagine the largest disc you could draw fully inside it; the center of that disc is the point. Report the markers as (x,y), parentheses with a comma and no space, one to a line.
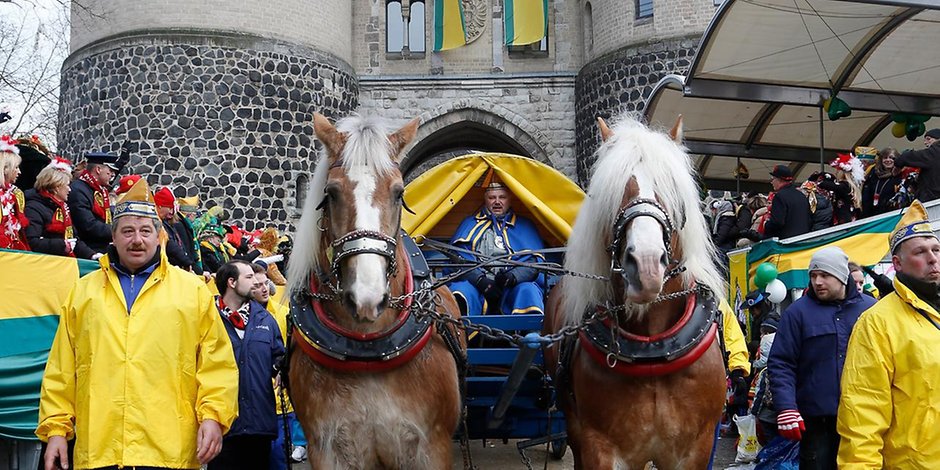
(349,300)
(384,302)
(664,260)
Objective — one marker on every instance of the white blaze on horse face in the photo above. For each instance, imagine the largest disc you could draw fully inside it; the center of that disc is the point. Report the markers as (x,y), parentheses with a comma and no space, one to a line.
(643,253)
(368,285)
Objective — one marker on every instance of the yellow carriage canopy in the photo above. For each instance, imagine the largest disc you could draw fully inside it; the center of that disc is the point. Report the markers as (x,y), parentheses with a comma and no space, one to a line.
(445,194)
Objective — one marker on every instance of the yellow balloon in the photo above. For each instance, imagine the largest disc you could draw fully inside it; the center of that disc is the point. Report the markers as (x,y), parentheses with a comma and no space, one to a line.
(898,129)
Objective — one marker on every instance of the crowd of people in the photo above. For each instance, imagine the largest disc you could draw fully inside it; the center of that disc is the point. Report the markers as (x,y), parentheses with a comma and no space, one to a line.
(846,368)
(853,190)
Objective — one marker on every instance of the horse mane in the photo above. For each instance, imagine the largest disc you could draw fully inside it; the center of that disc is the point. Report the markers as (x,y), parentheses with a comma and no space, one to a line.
(367,146)
(633,148)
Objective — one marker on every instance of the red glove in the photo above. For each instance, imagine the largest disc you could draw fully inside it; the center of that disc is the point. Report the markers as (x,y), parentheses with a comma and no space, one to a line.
(790,424)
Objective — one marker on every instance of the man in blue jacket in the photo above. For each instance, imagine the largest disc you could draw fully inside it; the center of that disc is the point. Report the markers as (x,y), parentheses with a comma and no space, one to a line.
(806,360)
(256,341)
(496,231)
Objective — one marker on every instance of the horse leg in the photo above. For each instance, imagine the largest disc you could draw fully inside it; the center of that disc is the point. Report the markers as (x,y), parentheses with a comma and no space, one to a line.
(595,451)
(693,456)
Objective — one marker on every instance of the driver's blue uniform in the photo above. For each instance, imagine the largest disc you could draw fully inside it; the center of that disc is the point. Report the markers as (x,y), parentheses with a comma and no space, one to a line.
(490,236)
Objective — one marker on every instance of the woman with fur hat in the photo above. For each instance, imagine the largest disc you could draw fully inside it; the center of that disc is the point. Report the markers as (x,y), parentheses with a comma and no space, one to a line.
(50,223)
(844,187)
(881,184)
(13,220)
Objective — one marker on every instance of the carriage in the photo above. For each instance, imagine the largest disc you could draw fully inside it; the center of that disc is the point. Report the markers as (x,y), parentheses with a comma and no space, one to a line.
(507,394)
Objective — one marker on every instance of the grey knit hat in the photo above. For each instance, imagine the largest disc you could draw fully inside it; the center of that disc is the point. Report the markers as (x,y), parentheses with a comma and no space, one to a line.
(832,260)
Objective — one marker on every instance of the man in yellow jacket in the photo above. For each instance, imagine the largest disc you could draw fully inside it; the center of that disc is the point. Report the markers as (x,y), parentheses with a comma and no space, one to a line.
(889,414)
(141,371)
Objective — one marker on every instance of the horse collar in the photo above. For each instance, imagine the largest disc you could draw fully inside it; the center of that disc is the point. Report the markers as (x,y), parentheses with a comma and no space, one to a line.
(665,353)
(335,347)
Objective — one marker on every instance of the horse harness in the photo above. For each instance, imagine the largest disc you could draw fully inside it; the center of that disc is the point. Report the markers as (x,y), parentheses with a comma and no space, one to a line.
(335,347)
(641,207)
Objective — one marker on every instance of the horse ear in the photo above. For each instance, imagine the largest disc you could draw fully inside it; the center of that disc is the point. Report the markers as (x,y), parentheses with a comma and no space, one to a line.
(403,136)
(606,133)
(676,131)
(331,138)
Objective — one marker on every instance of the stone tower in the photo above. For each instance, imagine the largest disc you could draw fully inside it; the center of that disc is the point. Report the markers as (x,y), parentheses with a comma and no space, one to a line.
(630,45)
(215,97)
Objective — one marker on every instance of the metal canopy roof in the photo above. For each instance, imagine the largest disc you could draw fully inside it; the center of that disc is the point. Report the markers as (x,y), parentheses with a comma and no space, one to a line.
(764,67)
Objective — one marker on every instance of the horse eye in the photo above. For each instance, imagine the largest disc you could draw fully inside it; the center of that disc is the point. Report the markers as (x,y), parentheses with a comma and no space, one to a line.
(323,203)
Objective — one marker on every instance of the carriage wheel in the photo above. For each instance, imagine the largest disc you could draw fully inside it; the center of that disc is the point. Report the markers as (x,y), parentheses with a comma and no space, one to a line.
(557,448)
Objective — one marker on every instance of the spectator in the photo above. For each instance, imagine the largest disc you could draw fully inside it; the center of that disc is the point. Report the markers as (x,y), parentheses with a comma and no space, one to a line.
(187,209)
(881,184)
(90,201)
(175,244)
(768,331)
(819,205)
(883,283)
(50,222)
(213,250)
(789,211)
(13,219)
(888,414)
(737,361)
(844,187)
(724,225)
(928,161)
(745,219)
(858,277)
(256,341)
(808,354)
(125,185)
(492,232)
(140,371)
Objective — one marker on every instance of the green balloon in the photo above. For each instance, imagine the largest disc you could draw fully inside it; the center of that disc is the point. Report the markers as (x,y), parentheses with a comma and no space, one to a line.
(765,273)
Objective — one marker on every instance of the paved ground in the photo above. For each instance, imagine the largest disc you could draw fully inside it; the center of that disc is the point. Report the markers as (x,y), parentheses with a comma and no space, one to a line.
(498,456)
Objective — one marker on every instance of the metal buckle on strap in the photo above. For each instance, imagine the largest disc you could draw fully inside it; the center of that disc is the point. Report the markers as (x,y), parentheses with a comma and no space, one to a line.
(364,241)
(639,207)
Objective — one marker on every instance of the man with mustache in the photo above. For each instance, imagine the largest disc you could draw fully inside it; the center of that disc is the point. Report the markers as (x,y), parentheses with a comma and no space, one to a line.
(889,416)
(141,372)
(808,355)
(496,231)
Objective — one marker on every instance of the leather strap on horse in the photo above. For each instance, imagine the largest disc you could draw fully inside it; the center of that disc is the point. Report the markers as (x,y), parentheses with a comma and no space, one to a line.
(661,354)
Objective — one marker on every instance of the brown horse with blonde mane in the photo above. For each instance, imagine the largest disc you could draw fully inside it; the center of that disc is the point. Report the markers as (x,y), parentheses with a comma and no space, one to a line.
(646,383)
(373,384)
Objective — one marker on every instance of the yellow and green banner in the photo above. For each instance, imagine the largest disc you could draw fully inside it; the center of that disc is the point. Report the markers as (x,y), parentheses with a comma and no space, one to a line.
(866,244)
(525,21)
(449,29)
(34,288)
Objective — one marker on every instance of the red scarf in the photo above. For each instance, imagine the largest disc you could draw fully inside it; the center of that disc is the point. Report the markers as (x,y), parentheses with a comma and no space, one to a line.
(12,219)
(61,223)
(238,318)
(101,204)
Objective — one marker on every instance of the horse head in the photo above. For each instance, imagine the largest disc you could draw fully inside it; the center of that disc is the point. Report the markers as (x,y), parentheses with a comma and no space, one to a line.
(643,237)
(358,216)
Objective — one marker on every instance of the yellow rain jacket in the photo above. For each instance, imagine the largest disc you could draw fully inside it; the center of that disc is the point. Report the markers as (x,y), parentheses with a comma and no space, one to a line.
(135,386)
(889,412)
(279,309)
(738,357)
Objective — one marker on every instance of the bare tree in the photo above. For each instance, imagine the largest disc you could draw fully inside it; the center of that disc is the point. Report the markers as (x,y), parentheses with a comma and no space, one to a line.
(33,45)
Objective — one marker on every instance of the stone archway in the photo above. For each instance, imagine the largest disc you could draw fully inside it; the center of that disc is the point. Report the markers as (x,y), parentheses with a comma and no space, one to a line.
(473,125)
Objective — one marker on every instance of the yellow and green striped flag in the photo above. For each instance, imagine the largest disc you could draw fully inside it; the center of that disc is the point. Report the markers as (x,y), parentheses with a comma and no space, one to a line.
(866,244)
(449,29)
(526,21)
(34,288)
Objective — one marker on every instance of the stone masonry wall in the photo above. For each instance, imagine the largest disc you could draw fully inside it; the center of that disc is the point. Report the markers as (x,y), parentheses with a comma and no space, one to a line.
(233,125)
(615,25)
(621,82)
(536,112)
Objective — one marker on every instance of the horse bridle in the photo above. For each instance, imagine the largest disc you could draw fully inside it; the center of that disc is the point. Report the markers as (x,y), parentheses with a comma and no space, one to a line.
(640,207)
(359,242)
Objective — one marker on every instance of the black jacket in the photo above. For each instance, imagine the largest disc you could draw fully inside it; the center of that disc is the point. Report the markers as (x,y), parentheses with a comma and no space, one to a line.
(185,231)
(789,214)
(928,160)
(822,218)
(843,208)
(88,227)
(174,249)
(726,232)
(40,211)
(885,188)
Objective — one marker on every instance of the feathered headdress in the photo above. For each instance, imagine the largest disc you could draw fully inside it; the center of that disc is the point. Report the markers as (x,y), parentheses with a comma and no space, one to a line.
(851,165)
(8,144)
(61,164)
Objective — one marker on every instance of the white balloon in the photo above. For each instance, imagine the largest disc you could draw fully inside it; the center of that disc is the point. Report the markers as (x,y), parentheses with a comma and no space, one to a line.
(776,291)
